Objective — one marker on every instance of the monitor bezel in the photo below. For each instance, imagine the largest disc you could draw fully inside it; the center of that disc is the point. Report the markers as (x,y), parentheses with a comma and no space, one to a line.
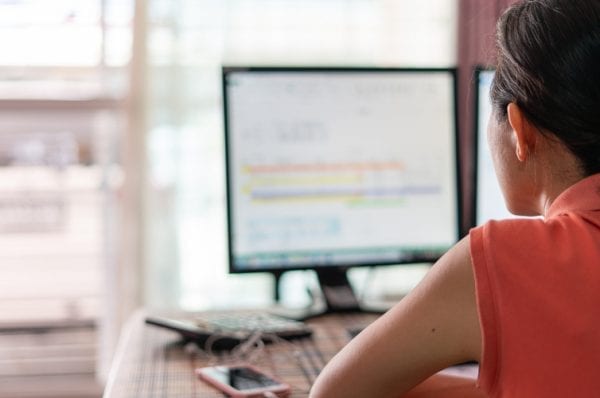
(478,70)
(277,270)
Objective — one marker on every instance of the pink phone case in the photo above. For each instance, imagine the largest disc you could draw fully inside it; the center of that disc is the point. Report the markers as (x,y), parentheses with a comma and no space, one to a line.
(281,390)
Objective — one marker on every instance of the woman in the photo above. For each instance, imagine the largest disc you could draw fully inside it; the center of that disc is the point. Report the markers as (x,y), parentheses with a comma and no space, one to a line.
(522,296)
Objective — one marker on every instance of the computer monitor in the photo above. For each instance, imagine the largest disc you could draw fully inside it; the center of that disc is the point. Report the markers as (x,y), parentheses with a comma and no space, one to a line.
(330,168)
(488,199)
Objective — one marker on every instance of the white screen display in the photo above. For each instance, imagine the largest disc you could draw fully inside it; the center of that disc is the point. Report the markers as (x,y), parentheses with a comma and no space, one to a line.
(489,200)
(329,167)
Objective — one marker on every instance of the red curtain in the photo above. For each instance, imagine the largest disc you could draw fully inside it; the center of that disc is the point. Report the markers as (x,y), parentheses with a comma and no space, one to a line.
(476,30)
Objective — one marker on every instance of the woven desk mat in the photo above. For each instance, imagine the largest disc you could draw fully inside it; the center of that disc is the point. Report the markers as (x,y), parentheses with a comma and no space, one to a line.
(153,362)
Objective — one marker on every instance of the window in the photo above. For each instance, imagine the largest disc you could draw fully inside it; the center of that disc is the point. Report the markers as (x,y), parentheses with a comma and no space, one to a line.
(188,41)
(63,79)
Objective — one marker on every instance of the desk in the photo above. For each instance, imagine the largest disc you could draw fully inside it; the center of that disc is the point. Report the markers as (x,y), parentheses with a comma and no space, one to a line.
(152,362)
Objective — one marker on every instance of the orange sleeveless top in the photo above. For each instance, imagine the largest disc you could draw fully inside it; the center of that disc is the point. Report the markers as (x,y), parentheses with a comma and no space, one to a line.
(538,296)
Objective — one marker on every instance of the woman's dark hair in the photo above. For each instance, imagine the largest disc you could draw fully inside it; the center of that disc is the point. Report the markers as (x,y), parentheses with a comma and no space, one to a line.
(549,65)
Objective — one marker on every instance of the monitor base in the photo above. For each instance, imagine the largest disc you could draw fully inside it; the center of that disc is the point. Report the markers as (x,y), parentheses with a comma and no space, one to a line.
(338,297)
(308,313)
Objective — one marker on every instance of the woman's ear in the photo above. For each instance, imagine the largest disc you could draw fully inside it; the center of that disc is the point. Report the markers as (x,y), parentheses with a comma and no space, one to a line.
(523,130)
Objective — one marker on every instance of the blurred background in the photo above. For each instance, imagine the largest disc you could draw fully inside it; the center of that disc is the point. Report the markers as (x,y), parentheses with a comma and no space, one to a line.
(111,155)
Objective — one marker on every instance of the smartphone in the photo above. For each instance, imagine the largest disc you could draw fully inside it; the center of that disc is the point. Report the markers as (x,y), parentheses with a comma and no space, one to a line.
(243,381)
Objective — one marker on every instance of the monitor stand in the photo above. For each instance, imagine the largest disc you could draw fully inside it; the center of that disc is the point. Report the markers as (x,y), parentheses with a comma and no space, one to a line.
(338,295)
(337,291)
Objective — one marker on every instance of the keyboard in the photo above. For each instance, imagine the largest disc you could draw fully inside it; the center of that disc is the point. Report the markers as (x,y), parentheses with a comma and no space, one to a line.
(225,330)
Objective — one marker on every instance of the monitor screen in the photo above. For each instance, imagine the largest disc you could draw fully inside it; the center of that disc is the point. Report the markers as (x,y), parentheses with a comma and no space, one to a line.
(489,202)
(331,167)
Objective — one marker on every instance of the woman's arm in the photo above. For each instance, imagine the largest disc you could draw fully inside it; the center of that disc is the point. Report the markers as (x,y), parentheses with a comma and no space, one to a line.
(434,327)
(442,385)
